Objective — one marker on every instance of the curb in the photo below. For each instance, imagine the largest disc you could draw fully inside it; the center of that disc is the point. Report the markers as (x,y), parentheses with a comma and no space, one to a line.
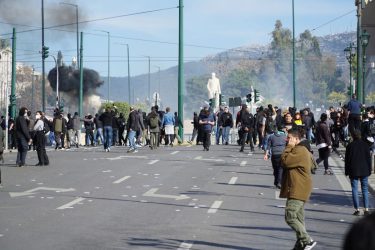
(371,179)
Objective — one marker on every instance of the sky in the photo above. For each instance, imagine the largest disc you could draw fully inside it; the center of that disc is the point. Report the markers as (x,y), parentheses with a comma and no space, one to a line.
(210,26)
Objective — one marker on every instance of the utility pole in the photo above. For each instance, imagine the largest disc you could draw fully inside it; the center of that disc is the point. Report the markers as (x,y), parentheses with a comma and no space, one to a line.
(129,99)
(43,65)
(294,60)
(13,84)
(32,90)
(81,78)
(181,67)
(359,52)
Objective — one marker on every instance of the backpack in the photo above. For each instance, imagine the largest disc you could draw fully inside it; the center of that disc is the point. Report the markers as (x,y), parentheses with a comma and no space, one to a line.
(154,122)
(270,125)
(372,128)
(58,125)
(46,128)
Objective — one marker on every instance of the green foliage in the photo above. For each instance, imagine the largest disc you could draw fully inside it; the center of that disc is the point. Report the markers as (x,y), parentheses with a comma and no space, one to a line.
(335,98)
(123,107)
(370,99)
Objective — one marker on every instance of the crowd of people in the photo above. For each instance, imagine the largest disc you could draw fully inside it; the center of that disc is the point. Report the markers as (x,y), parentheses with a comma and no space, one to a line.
(284,136)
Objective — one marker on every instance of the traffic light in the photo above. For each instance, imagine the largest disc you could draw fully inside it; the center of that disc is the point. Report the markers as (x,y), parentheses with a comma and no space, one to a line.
(221,100)
(349,91)
(256,95)
(45,52)
(212,102)
(248,97)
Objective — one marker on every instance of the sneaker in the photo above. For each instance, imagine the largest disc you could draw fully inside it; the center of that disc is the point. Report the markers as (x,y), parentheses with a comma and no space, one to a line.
(130,150)
(357,213)
(328,172)
(309,245)
(135,151)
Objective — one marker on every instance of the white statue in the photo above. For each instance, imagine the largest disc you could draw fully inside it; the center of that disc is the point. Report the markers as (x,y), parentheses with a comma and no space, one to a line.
(213,86)
(214,91)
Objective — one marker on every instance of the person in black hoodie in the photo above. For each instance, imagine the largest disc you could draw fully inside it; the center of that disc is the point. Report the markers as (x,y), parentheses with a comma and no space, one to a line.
(324,143)
(358,168)
(23,137)
(247,124)
(106,118)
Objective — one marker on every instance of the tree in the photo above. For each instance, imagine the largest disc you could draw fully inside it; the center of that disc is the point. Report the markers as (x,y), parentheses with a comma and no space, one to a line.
(370,98)
(336,98)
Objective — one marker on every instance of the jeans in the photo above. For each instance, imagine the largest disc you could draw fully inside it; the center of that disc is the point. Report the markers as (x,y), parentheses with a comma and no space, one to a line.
(131,139)
(309,134)
(364,186)
(226,131)
(277,169)
(295,218)
(323,156)
(245,135)
(107,136)
(23,147)
(218,134)
(99,134)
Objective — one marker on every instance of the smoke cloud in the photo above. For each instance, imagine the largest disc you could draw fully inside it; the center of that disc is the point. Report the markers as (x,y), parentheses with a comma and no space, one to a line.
(27,12)
(69,86)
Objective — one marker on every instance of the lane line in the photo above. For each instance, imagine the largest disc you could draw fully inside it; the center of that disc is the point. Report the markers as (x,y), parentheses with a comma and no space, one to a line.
(153,162)
(175,152)
(185,246)
(70,204)
(243,163)
(233,180)
(122,179)
(214,207)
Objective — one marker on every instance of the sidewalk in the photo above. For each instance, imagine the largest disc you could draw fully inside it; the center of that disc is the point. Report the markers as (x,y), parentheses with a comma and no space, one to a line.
(371,180)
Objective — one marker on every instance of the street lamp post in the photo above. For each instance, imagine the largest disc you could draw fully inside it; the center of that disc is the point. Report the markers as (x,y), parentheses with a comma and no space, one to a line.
(365,37)
(76,6)
(149,79)
(128,56)
(109,62)
(350,54)
(294,59)
(57,83)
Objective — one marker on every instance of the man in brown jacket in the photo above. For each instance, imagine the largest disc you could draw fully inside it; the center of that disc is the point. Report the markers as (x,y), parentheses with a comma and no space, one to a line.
(296,186)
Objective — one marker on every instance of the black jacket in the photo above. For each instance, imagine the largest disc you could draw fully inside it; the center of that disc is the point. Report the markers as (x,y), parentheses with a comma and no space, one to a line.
(358,159)
(226,120)
(106,118)
(247,120)
(22,128)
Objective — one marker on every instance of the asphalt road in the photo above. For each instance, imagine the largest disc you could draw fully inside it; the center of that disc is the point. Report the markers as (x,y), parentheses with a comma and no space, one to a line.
(172,198)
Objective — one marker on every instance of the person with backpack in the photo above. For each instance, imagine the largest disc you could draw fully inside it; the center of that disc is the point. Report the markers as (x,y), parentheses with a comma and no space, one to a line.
(270,126)
(40,139)
(153,122)
(58,129)
(247,124)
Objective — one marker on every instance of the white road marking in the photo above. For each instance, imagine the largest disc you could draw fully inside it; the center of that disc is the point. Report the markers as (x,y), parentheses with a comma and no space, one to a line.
(175,152)
(202,159)
(126,156)
(185,246)
(152,193)
(189,146)
(233,180)
(243,163)
(70,204)
(153,162)
(32,191)
(121,180)
(214,207)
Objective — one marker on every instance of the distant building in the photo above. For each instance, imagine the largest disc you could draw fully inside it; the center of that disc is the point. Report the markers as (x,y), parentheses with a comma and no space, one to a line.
(368,24)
